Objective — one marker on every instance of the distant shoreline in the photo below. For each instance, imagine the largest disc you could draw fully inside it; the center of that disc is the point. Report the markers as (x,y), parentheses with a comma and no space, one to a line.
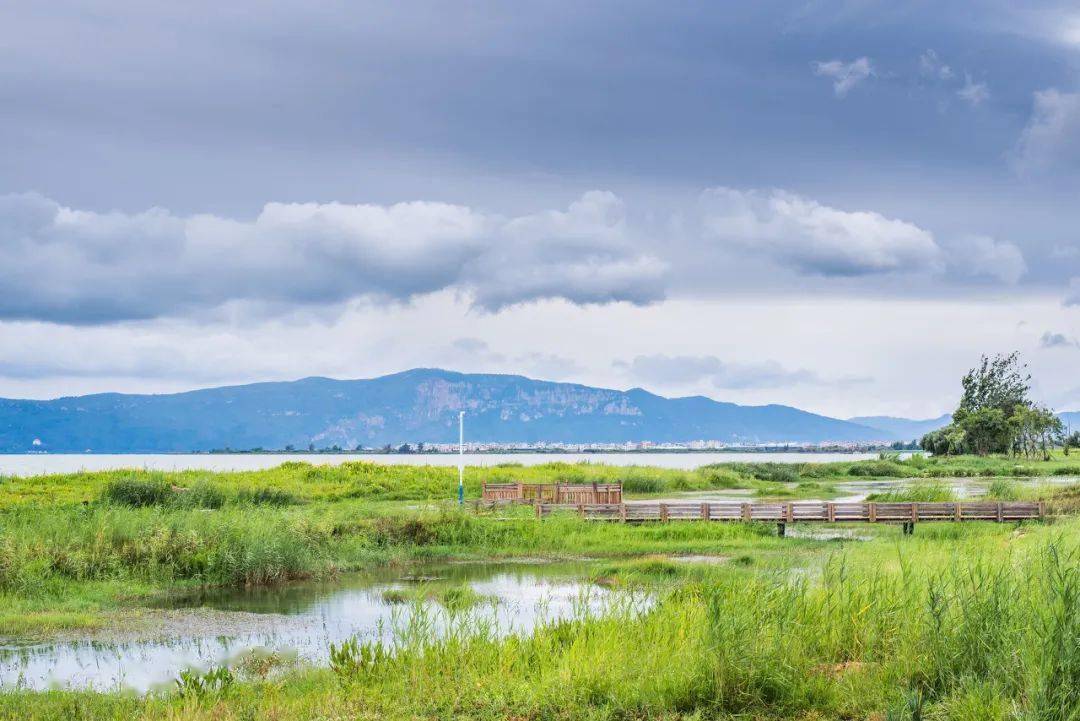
(493,452)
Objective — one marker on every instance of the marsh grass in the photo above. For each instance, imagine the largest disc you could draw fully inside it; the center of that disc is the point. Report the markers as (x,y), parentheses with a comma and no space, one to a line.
(961,621)
(939,626)
(455,598)
(919,491)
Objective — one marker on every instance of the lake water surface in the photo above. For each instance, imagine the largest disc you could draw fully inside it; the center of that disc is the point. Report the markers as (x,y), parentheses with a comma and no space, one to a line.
(35,464)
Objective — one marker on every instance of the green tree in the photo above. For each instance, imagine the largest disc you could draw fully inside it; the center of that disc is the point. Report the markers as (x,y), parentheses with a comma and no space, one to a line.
(1035,431)
(986,430)
(1000,381)
(995,414)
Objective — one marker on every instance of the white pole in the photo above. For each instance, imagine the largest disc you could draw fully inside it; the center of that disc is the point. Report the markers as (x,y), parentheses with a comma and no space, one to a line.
(461,459)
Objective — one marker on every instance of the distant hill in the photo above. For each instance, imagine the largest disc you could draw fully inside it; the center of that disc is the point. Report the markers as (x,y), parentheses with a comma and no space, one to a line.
(906,429)
(417,405)
(903,429)
(1071,419)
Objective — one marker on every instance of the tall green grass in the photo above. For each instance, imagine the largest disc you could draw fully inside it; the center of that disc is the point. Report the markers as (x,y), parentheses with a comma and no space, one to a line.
(920,491)
(945,629)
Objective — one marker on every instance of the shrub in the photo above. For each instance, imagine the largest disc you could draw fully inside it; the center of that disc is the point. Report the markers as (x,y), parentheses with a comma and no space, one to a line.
(641,483)
(772,472)
(1003,489)
(200,495)
(193,684)
(352,658)
(266,497)
(884,468)
(138,492)
(918,492)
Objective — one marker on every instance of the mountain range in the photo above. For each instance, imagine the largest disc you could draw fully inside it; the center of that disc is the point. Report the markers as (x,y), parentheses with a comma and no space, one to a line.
(409,407)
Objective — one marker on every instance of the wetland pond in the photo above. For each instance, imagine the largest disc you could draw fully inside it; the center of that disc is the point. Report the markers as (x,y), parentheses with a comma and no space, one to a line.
(300,621)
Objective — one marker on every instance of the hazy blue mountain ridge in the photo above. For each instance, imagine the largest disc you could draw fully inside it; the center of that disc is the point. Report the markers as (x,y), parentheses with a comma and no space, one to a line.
(416,405)
(905,429)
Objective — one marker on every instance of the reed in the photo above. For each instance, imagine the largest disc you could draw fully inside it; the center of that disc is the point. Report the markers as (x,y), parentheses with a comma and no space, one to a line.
(937,628)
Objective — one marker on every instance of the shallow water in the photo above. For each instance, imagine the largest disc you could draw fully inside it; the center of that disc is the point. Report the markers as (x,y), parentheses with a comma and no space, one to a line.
(962,488)
(304,619)
(39,463)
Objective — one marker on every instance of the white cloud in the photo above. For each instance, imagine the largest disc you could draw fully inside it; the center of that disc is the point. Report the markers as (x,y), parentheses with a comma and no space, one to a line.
(1072,296)
(688,370)
(845,76)
(584,254)
(972,92)
(817,239)
(982,255)
(932,66)
(76,266)
(1052,133)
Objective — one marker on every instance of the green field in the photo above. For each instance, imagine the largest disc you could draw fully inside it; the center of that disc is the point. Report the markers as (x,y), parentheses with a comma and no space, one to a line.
(960,621)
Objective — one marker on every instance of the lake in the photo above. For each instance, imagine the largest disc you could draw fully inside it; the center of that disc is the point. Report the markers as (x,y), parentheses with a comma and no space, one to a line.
(36,464)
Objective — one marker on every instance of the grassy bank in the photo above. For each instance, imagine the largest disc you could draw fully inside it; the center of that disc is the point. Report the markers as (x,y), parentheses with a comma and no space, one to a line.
(957,622)
(961,623)
(59,566)
(74,545)
(298,482)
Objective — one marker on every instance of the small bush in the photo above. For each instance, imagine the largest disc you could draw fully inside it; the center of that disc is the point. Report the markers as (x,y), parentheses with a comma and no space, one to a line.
(772,472)
(884,468)
(200,495)
(395,596)
(918,492)
(192,684)
(1003,489)
(642,484)
(352,658)
(138,492)
(266,497)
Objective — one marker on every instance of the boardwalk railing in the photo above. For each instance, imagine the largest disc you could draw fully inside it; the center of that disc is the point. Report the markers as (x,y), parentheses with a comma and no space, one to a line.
(552,493)
(906,513)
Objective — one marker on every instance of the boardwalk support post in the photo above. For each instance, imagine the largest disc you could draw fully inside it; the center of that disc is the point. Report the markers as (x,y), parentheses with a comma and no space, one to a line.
(663,512)
(781,529)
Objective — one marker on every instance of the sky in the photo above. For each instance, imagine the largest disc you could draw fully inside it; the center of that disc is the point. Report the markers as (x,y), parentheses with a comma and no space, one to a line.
(837,205)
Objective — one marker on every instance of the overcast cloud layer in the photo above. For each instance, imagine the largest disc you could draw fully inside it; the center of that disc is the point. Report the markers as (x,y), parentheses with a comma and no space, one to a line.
(694,198)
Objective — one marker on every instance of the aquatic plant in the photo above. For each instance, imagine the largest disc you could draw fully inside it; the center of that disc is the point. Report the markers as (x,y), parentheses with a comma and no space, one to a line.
(193,684)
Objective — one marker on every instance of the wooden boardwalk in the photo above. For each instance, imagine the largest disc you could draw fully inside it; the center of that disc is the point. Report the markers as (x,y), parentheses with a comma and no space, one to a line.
(783,513)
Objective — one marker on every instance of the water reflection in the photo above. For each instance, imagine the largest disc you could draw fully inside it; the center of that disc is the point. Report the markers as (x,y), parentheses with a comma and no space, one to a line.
(304,619)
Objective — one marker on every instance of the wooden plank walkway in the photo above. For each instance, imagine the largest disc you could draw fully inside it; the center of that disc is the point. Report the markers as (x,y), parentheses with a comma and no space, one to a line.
(906,513)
